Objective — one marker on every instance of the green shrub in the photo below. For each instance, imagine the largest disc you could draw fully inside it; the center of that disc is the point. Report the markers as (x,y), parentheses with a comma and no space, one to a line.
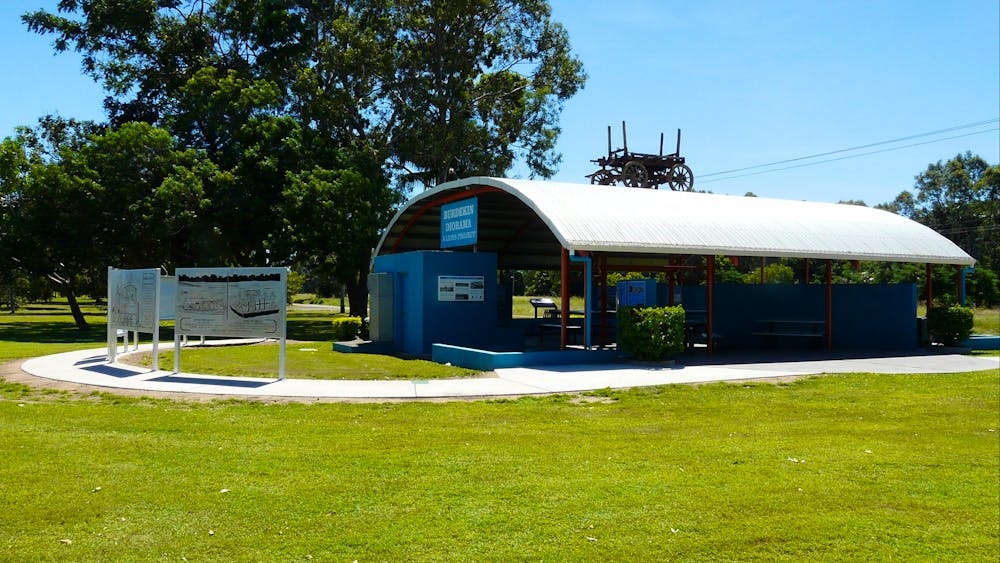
(346,328)
(773,273)
(294,283)
(651,333)
(950,325)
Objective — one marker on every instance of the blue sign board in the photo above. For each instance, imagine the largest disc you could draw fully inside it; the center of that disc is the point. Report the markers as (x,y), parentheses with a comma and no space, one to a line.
(460,223)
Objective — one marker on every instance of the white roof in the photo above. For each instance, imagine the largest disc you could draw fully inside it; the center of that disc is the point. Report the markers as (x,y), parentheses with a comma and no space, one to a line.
(584,217)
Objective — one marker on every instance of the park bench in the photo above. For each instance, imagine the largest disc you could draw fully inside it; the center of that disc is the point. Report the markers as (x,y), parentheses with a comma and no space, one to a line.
(696,328)
(773,329)
(573,331)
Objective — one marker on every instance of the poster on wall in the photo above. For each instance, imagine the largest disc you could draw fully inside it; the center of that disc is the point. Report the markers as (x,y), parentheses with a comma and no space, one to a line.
(461,288)
(234,302)
(132,299)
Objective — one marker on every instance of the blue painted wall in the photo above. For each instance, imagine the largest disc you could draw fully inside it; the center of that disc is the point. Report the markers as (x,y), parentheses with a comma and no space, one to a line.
(421,320)
(864,316)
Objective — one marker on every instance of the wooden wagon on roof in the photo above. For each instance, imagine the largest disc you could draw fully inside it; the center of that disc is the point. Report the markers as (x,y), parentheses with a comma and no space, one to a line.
(641,170)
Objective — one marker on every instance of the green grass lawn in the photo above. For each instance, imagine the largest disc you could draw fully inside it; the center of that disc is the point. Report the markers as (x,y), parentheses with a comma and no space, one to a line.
(47,328)
(858,466)
(861,466)
(310,360)
(987,321)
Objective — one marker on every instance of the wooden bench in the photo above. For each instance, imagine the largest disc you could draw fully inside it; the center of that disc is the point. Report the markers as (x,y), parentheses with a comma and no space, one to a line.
(696,328)
(571,330)
(772,329)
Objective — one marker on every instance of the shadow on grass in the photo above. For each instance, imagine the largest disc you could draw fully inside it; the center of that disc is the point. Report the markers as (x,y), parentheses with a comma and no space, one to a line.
(51,332)
(62,333)
(310,329)
(50,324)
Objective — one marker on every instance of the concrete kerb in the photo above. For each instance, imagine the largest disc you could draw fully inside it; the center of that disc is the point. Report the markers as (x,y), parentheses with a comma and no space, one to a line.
(90,368)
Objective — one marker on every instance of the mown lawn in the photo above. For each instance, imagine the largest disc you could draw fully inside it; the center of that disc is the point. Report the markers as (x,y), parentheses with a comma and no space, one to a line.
(858,466)
(309,360)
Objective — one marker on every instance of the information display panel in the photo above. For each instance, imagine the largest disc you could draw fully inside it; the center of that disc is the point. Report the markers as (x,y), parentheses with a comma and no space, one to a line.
(461,288)
(234,302)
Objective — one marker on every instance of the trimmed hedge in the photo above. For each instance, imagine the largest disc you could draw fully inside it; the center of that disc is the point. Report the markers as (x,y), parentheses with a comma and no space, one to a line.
(346,328)
(651,333)
(950,325)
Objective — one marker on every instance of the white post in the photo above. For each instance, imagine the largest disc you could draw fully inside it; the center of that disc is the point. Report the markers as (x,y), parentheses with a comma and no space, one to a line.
(177,350)
(112,334)
(281,360)
(156,325)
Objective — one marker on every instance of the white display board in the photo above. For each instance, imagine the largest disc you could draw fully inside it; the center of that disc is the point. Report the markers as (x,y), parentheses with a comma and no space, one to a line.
(461,288)
(236,302)
(232,302)
(132,296)
(168,297)
(133,307)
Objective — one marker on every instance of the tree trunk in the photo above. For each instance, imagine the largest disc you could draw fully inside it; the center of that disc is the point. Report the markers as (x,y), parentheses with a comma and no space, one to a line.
(357,292)
(74,307)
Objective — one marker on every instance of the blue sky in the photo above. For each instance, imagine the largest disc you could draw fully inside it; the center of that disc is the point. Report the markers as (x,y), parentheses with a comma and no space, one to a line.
(748,82)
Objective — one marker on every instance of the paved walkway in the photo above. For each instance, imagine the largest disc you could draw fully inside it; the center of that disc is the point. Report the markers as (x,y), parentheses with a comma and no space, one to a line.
(89,367)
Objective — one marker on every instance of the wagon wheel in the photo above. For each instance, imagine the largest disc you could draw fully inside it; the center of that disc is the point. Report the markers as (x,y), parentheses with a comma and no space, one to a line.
(680,178)
(602,177)
(635,174)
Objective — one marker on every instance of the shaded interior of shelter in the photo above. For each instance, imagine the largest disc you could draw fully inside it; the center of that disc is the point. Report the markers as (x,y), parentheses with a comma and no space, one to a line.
(507,227)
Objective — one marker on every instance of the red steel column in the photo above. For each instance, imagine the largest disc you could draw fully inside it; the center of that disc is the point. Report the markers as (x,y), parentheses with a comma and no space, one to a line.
(709,308)
(603,261)
(829,305)
(671,281)
(564,293)
(807,271)
(958,285)
(930,285)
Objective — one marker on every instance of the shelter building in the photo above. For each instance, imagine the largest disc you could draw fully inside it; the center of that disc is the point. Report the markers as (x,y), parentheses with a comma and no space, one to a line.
(539,225)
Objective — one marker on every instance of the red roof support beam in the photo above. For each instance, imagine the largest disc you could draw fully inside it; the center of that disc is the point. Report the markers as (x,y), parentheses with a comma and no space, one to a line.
(437,203)
(650,268)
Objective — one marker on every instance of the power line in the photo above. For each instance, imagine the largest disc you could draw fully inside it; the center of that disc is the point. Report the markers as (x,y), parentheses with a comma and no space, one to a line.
(861,147)
(838,158)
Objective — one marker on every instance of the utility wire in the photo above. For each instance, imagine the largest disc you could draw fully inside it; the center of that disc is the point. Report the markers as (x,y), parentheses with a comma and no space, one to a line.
(861,147)
(835,159)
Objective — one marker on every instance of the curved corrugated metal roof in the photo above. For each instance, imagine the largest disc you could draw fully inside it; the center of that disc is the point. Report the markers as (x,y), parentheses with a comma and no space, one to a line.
(631,221)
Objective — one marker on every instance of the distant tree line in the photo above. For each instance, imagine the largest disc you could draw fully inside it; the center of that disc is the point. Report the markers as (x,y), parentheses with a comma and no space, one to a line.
(272,132)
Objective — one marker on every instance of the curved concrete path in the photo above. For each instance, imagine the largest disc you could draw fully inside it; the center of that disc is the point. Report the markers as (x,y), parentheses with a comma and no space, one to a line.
(90,367)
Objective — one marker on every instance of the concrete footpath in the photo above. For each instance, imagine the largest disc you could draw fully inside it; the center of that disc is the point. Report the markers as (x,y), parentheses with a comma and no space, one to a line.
(90,367)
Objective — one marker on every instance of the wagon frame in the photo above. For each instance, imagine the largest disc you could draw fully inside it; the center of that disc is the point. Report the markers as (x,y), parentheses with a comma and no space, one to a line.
(642,170)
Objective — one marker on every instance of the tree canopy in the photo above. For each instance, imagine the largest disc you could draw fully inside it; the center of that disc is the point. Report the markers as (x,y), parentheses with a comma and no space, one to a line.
(960,199)
(285,131)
